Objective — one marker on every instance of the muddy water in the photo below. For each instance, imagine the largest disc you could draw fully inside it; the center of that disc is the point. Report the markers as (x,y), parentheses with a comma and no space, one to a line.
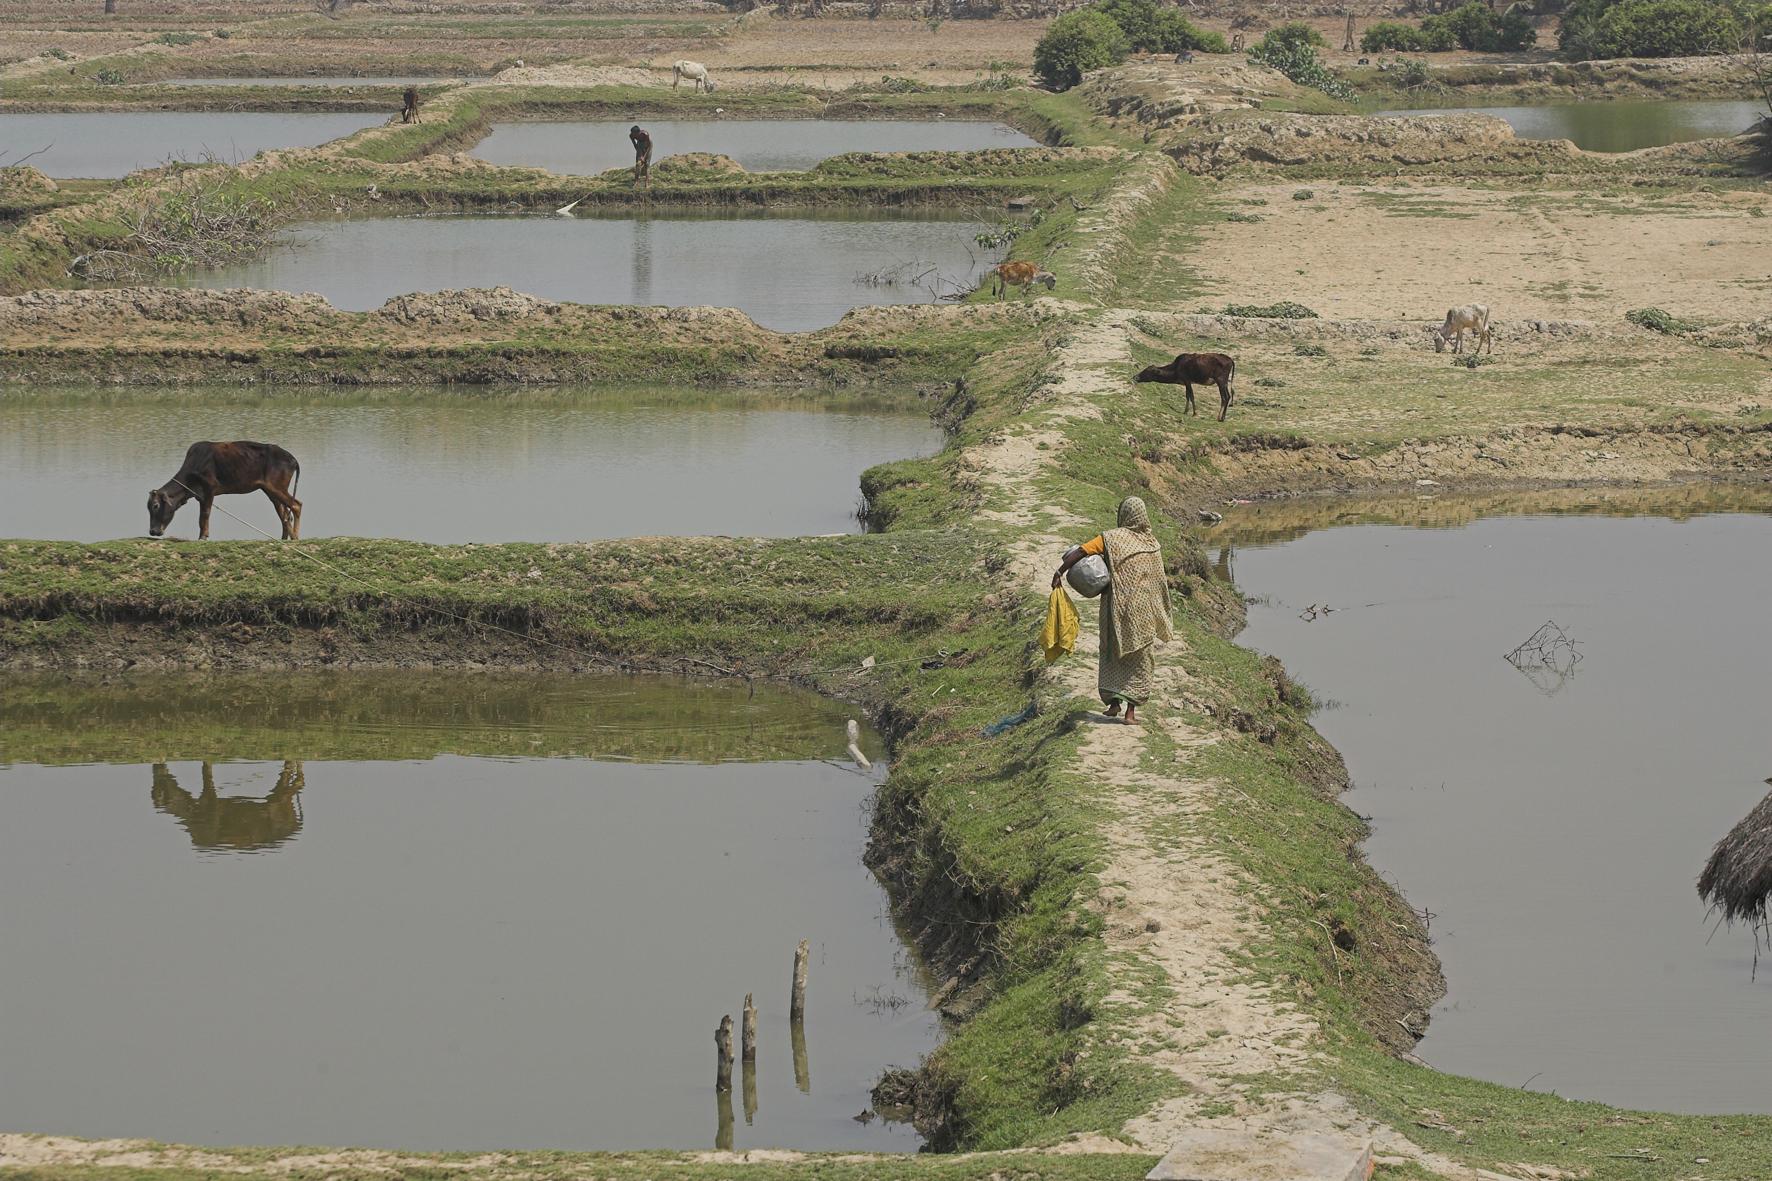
(116,143)
(1619,126)
(438,913)
(791,274)
(760,145)
(1552,824)
(460,466)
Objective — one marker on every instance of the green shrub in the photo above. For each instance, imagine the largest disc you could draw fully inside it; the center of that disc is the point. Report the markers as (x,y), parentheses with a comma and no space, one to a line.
(1391,37)
(1153,29)
(59,54)
(1291,49)
(178,38)
(1413,73)
(1076,43)
(224,34)
(1309,350)
(108,77)
(1648,28)
(1477,26)
(1284,310)
(1657,320)
(896,84)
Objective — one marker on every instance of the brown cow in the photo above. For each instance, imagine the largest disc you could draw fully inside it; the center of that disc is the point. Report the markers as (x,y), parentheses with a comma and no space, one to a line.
(409,109)
(223,469)
(1189,369)
(1020,274)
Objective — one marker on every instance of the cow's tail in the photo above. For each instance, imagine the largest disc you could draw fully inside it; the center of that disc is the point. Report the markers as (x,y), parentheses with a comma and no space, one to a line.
(1231,380)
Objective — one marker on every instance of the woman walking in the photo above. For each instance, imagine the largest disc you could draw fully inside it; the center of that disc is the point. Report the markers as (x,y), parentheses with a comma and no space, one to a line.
(1134,608)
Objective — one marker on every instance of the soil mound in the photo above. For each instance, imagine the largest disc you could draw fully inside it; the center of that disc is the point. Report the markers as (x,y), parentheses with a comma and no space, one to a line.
(453,307)
(21,180)
(114,311)
(1225,144)
(698,164)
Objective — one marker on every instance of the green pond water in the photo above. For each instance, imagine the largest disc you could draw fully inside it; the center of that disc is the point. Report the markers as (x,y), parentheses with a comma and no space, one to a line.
(440,911)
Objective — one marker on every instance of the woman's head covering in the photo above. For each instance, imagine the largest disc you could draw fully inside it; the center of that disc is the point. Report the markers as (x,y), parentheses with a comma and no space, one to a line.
(1140,591)
(1133,515)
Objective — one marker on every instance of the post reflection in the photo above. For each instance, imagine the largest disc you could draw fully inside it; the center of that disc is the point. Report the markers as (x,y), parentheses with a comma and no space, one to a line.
(242,824)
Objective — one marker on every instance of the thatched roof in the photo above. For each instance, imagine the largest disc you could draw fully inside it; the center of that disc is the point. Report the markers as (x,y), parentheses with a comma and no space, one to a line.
(1738,878)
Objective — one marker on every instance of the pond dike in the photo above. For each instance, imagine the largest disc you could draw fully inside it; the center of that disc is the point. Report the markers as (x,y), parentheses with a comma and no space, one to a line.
(1145,936)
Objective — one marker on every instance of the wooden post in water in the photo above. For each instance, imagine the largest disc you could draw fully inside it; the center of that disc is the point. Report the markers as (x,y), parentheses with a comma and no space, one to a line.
(723,1113)
(797,1005)
(748,1054)
(749,1036)
(797,1018)
(854,732)
(802,1066)
(723,1055)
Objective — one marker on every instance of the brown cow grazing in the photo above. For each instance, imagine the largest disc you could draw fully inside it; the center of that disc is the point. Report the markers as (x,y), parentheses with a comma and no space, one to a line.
(224,469)
(1020,274)
(1190,369)
(409,111)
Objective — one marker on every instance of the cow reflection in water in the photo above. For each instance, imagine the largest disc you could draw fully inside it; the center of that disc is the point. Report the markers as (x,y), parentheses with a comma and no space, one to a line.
(238,823)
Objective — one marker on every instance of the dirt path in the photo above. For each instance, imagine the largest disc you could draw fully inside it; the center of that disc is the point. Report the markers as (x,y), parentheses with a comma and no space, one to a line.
(1170,903)
(1401,251)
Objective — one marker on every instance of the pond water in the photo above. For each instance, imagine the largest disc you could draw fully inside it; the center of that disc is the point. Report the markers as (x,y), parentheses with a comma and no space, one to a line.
(760,145)
(336,80)
(460,466)
(1618,126)
(791,273)
(1552,822)
(439,912)
(115,143)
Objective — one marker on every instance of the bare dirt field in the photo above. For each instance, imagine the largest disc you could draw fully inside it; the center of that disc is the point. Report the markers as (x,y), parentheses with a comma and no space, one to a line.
(1407,250)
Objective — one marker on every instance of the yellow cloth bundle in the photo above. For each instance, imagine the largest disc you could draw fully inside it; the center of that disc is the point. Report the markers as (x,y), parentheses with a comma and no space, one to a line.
(1059,635)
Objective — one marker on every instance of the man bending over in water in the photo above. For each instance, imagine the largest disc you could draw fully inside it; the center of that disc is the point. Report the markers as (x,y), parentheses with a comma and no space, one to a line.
(642,153)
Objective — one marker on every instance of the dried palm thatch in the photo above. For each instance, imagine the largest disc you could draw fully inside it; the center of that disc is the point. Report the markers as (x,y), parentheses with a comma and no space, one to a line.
(1737,881)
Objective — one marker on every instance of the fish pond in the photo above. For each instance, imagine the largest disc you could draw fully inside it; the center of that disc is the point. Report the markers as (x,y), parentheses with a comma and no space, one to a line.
(759,145)
(1550,814)
(440,912)
(1618,126)
(109,144)
(461,466)
(791,273)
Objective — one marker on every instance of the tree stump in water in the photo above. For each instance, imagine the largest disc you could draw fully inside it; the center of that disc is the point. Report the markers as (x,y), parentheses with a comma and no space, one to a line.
(797,1004)
(723,1054)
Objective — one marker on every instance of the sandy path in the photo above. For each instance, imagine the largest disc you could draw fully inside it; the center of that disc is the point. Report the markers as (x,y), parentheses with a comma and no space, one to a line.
(1401,251)
(1169,901)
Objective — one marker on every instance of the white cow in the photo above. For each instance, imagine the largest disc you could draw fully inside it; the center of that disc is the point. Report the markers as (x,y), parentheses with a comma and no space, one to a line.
(1472,317)
(694,71)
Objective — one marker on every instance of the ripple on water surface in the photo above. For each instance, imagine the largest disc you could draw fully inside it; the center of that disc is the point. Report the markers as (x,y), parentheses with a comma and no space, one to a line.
(437,912)
(1552,824)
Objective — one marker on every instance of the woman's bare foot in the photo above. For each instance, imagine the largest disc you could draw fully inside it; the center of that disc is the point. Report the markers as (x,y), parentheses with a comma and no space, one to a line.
(1113,711)
(1132,715)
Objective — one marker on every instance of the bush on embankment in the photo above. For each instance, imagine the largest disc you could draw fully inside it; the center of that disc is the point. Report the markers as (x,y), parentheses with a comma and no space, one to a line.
(1474,26)
(1650,28)
(1291,49)
(1103,34)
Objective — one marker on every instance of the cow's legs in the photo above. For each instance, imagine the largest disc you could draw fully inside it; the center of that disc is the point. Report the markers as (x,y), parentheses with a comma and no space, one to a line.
(1224,398)
(1190,408)
(204,503)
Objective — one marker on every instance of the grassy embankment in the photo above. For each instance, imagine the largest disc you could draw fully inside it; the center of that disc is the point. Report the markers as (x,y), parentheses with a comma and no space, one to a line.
(988,842)
(993,844)
(290,185)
